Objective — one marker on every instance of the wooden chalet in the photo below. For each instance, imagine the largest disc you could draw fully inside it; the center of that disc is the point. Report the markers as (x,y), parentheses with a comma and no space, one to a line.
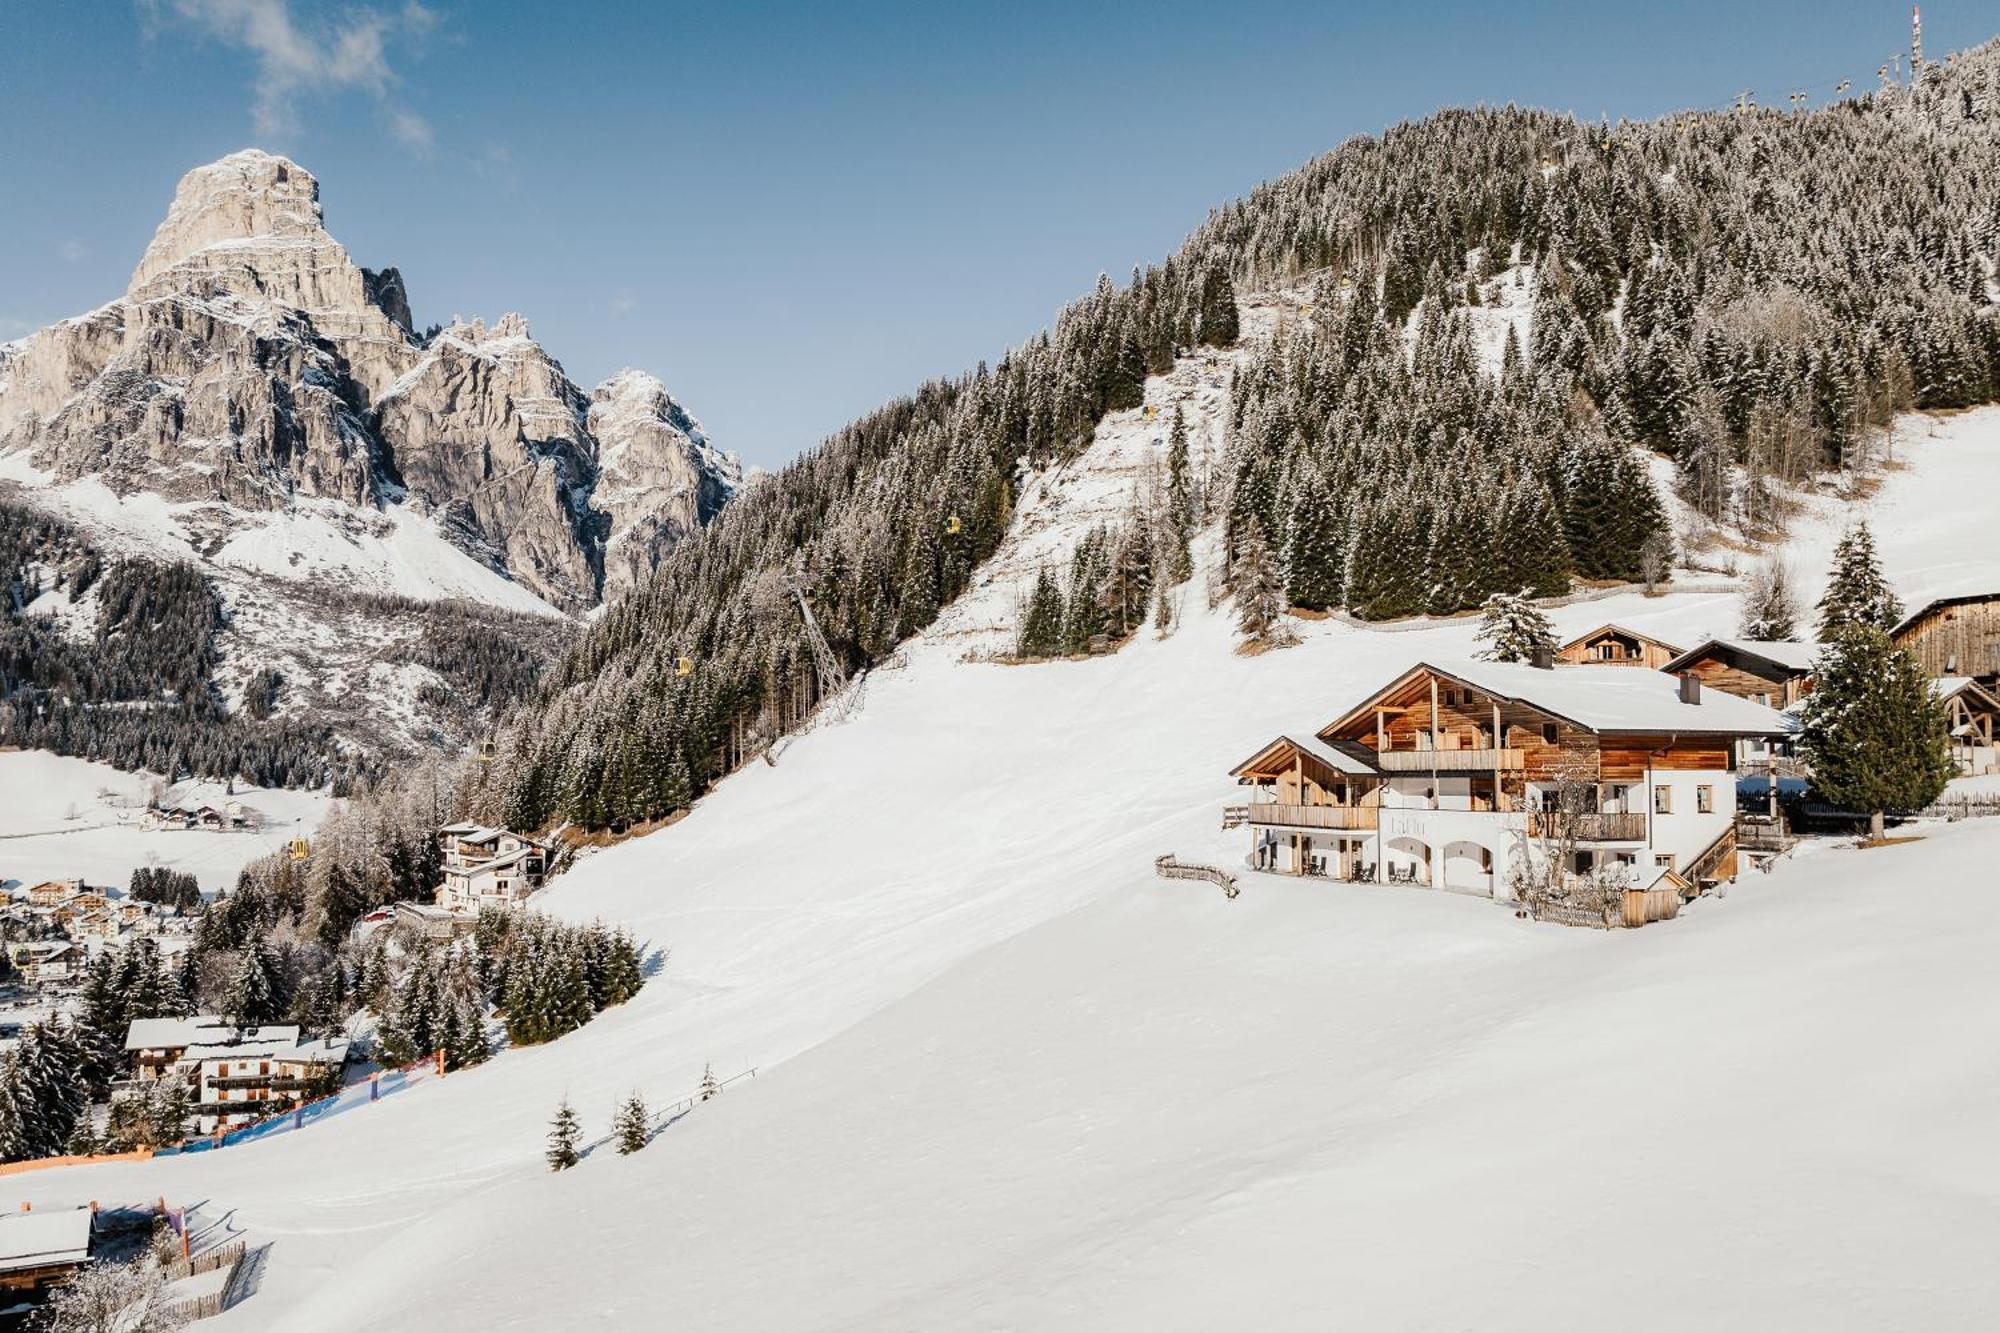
(1617,645)
(1777,673)
(1956,636)
(1975,718)
(1452,773)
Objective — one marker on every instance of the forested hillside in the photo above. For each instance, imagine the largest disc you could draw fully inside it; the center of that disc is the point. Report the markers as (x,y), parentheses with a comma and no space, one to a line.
(117,660)
(1747,295)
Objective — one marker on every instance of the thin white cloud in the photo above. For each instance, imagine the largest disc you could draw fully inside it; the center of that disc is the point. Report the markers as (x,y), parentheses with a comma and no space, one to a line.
(338,49)
(624,303)
(72,250)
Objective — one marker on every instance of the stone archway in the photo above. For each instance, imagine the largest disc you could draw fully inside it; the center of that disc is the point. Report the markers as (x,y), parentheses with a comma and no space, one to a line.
(1407,859)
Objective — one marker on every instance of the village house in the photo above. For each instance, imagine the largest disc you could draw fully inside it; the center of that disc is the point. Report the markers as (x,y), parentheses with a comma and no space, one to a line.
(1453,774)
(1955,636)
(54,893)
(488,867)
(1974,718)
(1616,645)
(1777,673)
(45,962)
(240,1074)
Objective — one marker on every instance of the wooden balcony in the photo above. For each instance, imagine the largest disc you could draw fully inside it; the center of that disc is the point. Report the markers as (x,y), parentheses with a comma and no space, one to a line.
(1448,761)
(1358,817)
(1592,826)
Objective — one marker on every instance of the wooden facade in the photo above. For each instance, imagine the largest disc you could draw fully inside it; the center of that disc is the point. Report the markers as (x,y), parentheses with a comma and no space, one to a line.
(1616,645)
(1956,636)
(1442,780)
(1740,669)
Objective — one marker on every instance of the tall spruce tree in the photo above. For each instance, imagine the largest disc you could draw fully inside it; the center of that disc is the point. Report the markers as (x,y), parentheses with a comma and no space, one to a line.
(1856,591)
(1873,734)
(1260,598)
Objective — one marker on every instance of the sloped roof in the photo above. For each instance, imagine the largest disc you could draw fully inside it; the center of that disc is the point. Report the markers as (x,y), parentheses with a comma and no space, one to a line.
(44,1237)
(1957,599)
(1790,654)
(1339,760)
(1949,687)
(1646,702)
(1615,627)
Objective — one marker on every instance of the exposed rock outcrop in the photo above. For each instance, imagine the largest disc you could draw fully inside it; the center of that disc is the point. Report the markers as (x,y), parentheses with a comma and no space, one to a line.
(251,362)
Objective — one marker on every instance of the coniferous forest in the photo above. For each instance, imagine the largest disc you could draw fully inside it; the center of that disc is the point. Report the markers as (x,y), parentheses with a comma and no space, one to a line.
(1748,297)
(135,684)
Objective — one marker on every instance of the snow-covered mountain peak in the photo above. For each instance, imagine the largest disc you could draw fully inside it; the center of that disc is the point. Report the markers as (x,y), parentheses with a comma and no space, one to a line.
(659,477)
(254,376)
(250,226)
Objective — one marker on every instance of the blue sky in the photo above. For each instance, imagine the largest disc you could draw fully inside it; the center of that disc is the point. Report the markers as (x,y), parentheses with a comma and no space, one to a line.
(792,211)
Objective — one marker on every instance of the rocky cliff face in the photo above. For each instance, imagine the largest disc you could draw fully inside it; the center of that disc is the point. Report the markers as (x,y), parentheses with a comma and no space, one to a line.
(252,363)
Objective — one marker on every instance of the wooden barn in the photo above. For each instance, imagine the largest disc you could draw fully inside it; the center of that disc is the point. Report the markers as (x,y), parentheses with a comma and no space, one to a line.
(1956,636)
(1616,645)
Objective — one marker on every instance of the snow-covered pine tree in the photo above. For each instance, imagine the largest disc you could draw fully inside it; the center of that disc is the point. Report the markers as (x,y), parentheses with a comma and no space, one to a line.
(709,1086)
(1856,591)
(565,1136)
(631,1127)
(1260,599)
(1315,546)
(1873,734)
(1513,628)
(255,994)
(1042,626)
(1770,603)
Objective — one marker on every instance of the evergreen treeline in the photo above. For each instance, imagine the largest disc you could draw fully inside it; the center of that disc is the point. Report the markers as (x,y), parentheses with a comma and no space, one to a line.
(173,888)
(545,977)
(1761,290)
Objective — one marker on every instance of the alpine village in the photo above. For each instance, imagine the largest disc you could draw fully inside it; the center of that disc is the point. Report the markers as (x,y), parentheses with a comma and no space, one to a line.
(473,854)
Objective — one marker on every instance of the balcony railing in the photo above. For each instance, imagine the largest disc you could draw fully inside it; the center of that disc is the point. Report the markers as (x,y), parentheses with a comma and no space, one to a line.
(1447,761)
(1591,826)
(1313,816)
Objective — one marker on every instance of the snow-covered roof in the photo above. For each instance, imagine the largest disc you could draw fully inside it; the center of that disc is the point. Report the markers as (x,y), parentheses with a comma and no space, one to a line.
(45,1237)
(1616,627)
(1948,687)
(1336,759)
(495,863)
(1986,593)
(1622,701)
(1791,654)
(322,1051)
(151,1034)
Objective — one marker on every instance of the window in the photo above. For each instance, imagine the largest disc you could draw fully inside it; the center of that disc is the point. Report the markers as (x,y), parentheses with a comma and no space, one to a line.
(1607,652)
(1664,860)
(1549,733)
(1663,800)
(1765,698)
(1704,799)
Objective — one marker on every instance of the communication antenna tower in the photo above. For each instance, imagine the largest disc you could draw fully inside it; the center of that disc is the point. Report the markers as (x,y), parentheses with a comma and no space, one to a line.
(1916,45)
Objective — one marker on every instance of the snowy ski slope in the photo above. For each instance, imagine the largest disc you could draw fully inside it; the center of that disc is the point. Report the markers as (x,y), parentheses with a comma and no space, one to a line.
(1009,1079)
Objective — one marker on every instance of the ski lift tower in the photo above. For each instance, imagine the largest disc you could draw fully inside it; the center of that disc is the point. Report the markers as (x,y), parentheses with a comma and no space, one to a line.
(1916,46)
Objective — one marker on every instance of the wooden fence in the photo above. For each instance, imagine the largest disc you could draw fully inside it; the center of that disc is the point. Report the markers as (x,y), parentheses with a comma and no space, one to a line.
(1964,807)
(212,1303)
(1168,868)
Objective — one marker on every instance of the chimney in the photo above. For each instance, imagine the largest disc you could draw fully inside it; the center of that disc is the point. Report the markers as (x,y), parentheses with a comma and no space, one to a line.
(1543,657)
(1690,688)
